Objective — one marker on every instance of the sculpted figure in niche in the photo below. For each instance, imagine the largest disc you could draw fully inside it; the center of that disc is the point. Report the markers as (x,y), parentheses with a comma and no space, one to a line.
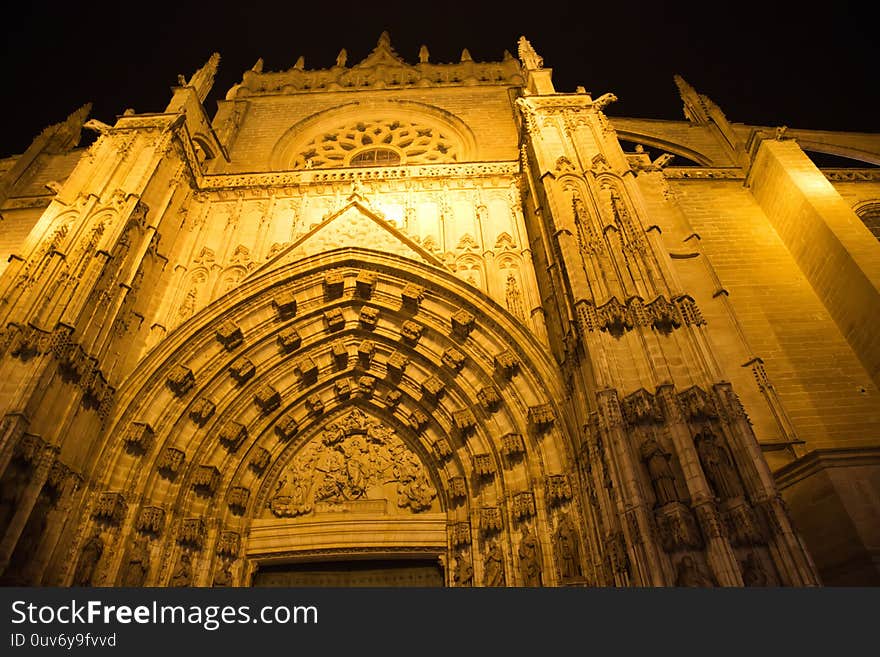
(183,573)
(223,576)
(718,466)
(138,565)
(662,478)
(691,575)
(494,561)
(88,558)
(464,570)
(530,558)
(567,548)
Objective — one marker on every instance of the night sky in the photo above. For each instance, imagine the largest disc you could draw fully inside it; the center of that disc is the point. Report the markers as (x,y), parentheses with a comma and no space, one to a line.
(767,64)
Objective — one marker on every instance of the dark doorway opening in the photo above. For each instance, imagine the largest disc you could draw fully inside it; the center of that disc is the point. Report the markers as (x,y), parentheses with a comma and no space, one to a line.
(382,573)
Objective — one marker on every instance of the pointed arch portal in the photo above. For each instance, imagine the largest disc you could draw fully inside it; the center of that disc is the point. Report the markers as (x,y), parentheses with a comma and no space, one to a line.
(347,405)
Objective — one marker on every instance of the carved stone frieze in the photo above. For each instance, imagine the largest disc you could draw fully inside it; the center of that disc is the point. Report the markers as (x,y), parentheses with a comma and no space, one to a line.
(640,408)
(355,458)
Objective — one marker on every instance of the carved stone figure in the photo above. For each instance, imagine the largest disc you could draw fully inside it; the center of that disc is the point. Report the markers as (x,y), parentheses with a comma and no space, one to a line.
(138,564)
(341,58)
(718,466)
(223,576)
(464,570)
(494,565)
(567,549)
(690,574)
(183,573)
(530,558)
(753,572)
(661,474)
(88,559)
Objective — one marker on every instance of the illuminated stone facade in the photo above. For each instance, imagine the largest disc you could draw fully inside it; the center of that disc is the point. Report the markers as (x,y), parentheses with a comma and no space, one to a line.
(445,323)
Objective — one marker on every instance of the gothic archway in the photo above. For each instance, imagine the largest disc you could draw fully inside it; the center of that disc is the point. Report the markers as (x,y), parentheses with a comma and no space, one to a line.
(395,373)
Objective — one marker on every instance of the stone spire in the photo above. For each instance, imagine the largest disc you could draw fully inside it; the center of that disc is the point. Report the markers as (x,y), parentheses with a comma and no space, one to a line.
(203,79)
(530,59)
(66,135)
(695,109)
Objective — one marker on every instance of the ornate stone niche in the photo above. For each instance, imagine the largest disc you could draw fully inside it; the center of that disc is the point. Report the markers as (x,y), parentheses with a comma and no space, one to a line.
(289,340)
(229,335)
(151,520)
(558,489)
(205,479)
(365,283)
(442,450)
(110,508)
(181,380)
(138,438)
(356,463)
(286,427)
(506,363)
(369,317)
(334,283)
(541,417)
(242,370)
(237,499)
(202,410)
(412,296)
(267,398)
(192,533)
(284,303)
(411,331)
(524,504)
(170,462)
(260,459)
(489,398)
(232,435)
(491,520)
(463,323)
(512,445)
(432,388)
(334,319)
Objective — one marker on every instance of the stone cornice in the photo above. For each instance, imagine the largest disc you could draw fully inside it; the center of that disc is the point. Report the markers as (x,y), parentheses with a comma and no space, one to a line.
(821,459)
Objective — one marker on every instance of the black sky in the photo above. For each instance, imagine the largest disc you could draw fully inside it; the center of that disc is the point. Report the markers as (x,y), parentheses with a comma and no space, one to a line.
(766,64)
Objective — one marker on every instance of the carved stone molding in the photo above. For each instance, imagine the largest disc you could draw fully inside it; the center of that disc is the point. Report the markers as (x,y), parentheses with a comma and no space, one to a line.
(442,450)
(369,317)
(457,488)
(333,284)
(489,398)
(463,323)
(464,420)
(411,331)
(432,387)
(365,283)
(286,427)
(453,359)
(506,363)
(461,534)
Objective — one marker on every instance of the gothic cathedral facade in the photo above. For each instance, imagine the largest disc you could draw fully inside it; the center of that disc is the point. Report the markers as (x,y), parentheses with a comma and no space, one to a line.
(436,324)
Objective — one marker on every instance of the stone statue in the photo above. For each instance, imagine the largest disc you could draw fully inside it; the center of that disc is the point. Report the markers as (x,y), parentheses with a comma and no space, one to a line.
(567,548)
(494,564)
(341,58)
(662,478)
(88,559)
(135,571)
(604,101)
(753,571)
(718,466)
(423,55)
(530,558)
(183,573)
(689,574)
(223,576)
(464,570)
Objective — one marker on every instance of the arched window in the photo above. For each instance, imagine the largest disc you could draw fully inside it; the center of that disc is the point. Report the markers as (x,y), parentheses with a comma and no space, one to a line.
(375,157)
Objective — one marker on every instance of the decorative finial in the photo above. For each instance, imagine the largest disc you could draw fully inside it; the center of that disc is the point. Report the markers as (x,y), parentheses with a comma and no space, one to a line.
(300,63)
(384,39)
(423,55)
(258,67)
(694,103)
(506,56)
(341,58)
(66,134)
(466,56)
(527,55)
(203,79)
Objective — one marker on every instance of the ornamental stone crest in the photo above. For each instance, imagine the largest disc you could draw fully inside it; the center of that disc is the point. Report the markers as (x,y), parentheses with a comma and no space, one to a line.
(355,458)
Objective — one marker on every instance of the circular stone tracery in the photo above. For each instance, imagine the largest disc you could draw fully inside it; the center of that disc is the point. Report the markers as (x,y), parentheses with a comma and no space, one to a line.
(376,143)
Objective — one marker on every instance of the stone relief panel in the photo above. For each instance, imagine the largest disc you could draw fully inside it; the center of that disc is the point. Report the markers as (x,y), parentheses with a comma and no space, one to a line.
(356,463)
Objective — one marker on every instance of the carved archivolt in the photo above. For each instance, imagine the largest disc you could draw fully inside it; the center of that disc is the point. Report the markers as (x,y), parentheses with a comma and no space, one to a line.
(354,458)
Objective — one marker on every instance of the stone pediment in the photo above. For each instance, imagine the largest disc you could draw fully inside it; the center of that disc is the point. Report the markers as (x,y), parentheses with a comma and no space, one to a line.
(354,225)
